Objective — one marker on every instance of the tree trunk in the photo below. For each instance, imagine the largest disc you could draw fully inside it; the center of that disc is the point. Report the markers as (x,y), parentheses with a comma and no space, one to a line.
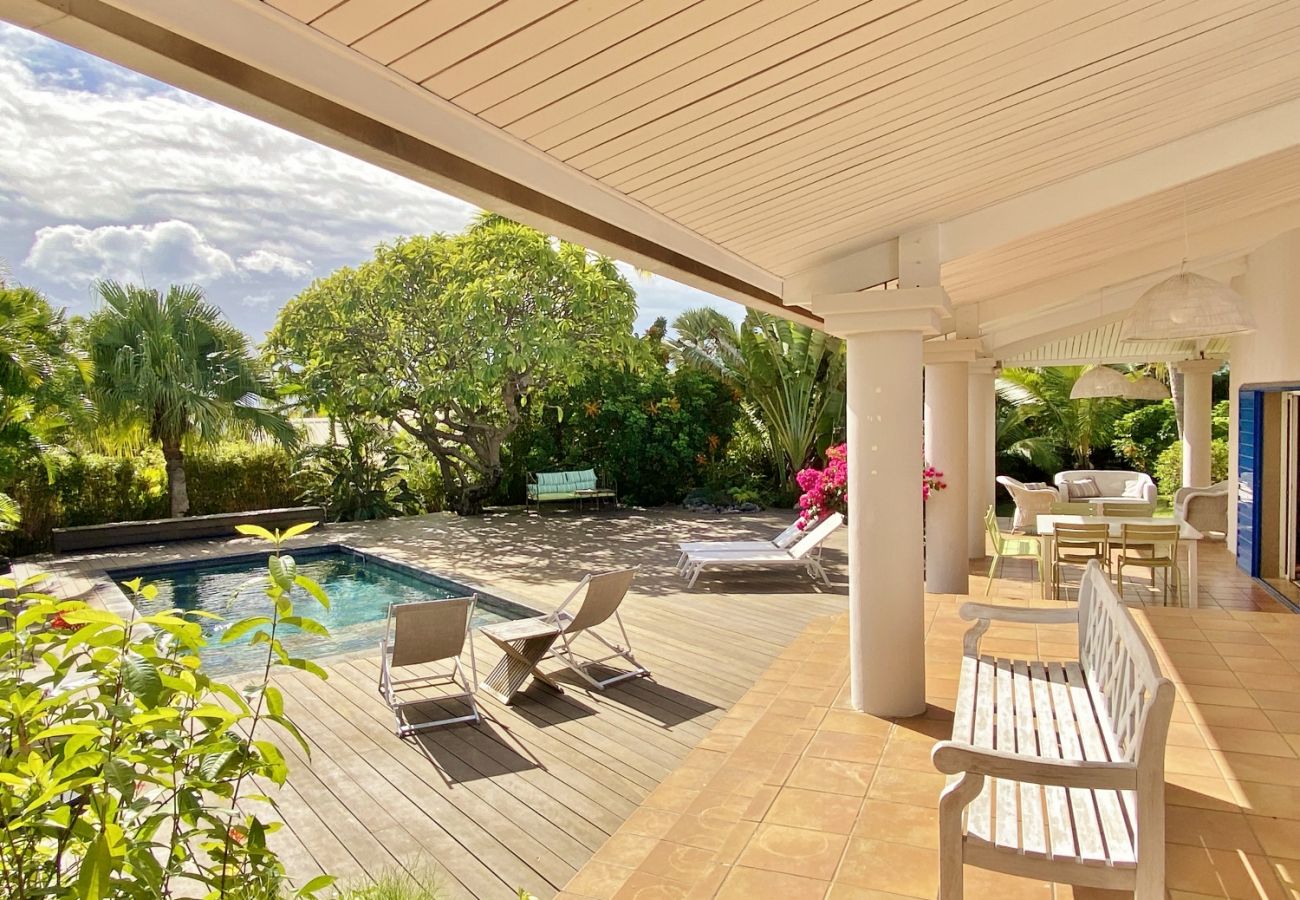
(176,491)
(1176,393)
(472,496)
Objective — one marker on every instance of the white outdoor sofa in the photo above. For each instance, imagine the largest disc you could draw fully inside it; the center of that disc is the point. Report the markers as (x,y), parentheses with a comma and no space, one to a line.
(1057,769)
(1116,486)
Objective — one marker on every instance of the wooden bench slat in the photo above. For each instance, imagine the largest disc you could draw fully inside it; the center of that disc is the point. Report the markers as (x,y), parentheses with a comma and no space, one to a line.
(1060,828)
(1087,830)
(979,820)
(1033,838)
(1006,822)
(1110,810)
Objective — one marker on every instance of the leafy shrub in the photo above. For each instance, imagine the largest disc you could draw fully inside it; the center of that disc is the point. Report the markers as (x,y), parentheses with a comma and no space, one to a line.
(234,477)
(64,490)
(1169,466)
(127,769)
(359,480)
(1143,434)
(656,433)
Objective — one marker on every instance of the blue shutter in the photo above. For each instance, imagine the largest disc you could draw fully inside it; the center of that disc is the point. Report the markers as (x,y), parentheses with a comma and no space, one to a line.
(1250,422)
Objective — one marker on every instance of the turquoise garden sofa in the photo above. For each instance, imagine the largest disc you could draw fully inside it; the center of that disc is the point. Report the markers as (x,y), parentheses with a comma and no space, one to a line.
(545,487)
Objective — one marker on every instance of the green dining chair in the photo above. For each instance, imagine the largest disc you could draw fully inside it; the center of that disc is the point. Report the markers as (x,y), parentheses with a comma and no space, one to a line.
(1016,547)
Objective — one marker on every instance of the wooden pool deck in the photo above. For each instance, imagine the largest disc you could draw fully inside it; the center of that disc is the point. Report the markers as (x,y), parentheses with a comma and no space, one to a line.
(525,798)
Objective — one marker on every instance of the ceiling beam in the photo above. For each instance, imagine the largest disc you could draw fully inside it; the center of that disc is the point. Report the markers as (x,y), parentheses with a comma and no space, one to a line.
(249,56)
(1160,168)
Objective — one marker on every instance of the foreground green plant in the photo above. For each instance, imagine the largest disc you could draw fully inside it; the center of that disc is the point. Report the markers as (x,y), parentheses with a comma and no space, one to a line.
(422,884)
(126,770)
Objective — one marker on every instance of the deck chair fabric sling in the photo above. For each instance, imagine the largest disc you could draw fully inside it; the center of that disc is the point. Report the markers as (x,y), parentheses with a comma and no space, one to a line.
(780,542)
(428,631)
(601,596)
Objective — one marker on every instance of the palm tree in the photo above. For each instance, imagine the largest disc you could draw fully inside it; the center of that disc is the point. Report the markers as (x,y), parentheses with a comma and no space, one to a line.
(1076,426)
(792,377)
(172,366)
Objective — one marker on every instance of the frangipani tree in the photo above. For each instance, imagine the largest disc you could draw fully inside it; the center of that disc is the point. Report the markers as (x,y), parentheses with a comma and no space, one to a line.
(451,336)
(170,365)
(792,377)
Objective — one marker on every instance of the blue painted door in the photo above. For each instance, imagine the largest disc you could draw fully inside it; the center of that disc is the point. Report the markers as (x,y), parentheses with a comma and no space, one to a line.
(1250,425)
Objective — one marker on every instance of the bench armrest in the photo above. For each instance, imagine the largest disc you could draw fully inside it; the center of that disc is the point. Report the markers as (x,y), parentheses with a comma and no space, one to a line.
(954,757)
(984,613)
(988,612)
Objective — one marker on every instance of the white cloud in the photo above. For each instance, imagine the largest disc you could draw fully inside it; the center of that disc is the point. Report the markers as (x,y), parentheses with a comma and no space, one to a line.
(268,262)
(107,173)
(161,253)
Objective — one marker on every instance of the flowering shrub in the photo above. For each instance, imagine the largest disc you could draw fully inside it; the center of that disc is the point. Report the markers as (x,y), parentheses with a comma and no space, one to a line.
(825,491)
(931,481)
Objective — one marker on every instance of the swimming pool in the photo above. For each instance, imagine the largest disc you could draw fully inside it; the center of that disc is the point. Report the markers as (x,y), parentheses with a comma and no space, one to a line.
(360,587)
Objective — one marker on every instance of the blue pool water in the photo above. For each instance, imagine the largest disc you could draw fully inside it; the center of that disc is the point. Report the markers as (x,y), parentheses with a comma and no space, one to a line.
(360,587)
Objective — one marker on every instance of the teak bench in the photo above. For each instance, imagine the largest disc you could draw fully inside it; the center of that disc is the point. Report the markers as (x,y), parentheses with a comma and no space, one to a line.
(1057,769)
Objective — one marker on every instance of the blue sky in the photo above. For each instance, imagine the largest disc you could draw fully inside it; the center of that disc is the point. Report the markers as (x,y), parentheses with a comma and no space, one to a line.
(107,174)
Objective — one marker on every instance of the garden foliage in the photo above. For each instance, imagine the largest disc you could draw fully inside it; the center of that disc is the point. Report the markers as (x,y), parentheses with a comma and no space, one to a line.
(127,771)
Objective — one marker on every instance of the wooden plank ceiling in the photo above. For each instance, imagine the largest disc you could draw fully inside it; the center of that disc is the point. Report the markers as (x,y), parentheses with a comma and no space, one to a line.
(789,131)
(1103,344)
(1159,219)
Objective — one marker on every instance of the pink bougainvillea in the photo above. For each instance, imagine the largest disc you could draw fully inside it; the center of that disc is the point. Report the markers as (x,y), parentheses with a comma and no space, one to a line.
(825,491)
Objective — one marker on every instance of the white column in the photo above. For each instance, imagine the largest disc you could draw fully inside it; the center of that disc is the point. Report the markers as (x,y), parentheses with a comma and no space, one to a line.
(1197,393)
(982,424)
(883,333)
(886,599)
(947,394)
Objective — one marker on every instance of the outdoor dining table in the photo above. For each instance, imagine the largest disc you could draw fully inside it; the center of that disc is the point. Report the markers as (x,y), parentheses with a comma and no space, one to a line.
(1188,537)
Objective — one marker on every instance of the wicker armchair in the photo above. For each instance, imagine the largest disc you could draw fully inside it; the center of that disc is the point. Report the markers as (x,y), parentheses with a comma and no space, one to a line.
(1204,508)
(1030,503)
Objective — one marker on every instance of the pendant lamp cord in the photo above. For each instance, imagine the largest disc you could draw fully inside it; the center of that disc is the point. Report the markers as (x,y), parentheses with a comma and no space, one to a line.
(1187,252)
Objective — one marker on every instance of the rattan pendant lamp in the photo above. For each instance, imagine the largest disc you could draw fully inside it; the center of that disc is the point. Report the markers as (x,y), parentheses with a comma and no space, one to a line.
(1187,307)
(1100,381)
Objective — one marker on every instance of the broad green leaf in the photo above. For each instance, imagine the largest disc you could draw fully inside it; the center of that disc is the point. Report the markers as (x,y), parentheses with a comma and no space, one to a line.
(243,627)
(141,678)
(311,888)
(298,529)
(256,531)
(95,874)
(283,571)
(311,626)
(311,587)
(274,700)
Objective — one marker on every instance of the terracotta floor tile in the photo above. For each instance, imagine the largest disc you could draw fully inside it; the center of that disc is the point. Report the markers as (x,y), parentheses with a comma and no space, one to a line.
(794,851)
(1249,740)
(836,776)
(899,823)
(1209,828)
(897,868)
(699,831)
(906,786)
(650,822)
(677,862)
(646,886)
(626,849)
(1277,837)
(751,884)
(843,891)
(1226,873)
(982,884)
(760,803)
(597,879)
(718,805)
(851,747)
(814,809)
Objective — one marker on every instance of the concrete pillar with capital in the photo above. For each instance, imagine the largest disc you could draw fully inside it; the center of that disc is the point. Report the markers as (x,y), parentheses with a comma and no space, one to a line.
(982,425)
(883,332)
(947,441)
(1197,400)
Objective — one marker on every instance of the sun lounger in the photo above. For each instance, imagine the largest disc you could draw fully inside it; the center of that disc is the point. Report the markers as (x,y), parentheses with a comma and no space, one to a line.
(425,632)
(804,553)
(780,542)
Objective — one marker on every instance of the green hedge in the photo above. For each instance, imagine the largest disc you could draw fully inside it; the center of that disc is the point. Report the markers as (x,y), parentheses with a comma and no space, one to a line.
(1169,466)
(89,489)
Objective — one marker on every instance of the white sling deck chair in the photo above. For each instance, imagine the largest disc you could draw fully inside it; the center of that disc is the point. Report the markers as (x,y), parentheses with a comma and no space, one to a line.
(803,554)
(428,631)
(604,594)
(780,542)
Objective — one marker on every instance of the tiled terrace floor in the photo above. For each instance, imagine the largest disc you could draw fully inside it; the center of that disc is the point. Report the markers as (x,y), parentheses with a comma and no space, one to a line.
(793,795)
